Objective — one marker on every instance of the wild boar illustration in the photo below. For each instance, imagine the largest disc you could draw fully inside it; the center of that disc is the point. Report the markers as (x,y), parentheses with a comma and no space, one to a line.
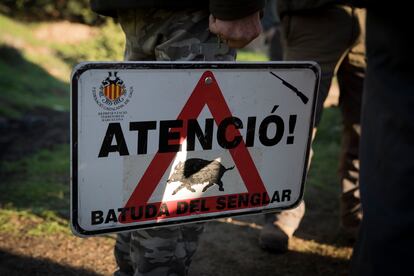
(195,171)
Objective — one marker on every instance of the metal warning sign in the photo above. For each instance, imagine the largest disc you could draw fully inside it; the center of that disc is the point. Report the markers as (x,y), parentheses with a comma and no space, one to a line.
(156,144)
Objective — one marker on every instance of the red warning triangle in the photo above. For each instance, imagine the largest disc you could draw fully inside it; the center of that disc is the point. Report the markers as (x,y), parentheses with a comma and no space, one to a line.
(205,93)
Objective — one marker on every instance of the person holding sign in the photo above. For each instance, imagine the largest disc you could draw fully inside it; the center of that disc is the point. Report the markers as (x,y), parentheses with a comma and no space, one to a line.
(176,31)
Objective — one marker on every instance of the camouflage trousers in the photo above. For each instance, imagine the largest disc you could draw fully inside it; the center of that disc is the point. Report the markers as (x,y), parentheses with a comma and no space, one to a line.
(164,35)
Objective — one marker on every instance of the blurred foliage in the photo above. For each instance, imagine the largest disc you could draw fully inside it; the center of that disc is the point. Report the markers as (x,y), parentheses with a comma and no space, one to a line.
(35,72)
(107,46)
(49,10)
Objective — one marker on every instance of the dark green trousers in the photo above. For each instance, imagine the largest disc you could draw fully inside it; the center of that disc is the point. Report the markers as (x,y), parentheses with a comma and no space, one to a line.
(334,37)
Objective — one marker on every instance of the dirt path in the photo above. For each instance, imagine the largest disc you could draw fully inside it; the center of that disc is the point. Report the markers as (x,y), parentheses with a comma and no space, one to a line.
(228,247)
(55,255)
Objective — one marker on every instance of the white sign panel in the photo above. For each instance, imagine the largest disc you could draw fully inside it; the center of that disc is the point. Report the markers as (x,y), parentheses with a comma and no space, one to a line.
(156,144)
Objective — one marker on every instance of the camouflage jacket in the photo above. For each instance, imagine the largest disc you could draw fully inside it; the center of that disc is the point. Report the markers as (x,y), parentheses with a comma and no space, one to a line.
(222,9)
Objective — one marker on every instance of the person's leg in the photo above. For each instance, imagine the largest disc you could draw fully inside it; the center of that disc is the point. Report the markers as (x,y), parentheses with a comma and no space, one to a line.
(164,251)
(271,31)
(275,45)
(385,241)
(122,252)
(165,36)
(323,36)
(351,75)
(350,103)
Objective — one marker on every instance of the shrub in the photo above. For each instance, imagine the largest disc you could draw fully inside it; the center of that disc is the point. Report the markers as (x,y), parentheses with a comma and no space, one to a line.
(47,10)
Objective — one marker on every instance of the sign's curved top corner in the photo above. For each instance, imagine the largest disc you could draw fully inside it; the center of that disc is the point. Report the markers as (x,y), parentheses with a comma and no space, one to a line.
(315,67)
(80,68)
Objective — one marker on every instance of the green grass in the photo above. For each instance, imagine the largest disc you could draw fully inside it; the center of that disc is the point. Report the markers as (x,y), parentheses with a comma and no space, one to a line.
(24,222)
(24,82)
(35,73)
(324,166)
(25,85)
(35,198)
(39,182)
(251,56)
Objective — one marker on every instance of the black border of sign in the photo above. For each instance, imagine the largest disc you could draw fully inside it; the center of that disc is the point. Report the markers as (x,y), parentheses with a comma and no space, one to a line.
(83,67)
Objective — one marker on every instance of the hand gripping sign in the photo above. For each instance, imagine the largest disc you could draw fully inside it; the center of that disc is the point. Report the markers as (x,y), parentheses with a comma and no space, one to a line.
(155,144)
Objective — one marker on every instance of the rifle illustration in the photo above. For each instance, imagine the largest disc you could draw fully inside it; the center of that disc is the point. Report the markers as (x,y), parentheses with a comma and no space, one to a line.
(294,89)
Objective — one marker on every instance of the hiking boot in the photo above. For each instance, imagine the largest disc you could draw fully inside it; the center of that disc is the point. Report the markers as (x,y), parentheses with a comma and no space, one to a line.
(279,228)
